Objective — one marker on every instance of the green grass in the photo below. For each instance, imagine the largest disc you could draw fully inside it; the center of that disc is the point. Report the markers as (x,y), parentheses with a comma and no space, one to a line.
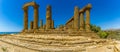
(4,49)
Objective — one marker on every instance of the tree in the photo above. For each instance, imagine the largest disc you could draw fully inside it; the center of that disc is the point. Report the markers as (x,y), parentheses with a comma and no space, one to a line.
(97,29)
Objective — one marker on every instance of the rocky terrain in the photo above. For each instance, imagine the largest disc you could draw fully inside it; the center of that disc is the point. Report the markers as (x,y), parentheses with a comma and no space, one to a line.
(56,43)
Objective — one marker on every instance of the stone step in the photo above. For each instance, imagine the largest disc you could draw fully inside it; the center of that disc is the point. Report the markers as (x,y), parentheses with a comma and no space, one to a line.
(54,42)
(66,33)
(40,47)
(47,43)
(57,38)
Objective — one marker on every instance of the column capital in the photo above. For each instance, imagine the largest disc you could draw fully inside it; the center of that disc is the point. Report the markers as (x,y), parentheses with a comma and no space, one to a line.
(88,7)
(76,7)
(48,6)
(25,8)
(36,6)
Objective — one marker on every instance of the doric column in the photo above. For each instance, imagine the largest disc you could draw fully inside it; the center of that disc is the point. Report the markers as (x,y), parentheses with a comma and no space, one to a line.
(44,27)
(31,25)
(72,24)
(25,18)
(52,24)
(76,18)
(48,17)
(88,7)
(35,17)
(41,23)
(81,20)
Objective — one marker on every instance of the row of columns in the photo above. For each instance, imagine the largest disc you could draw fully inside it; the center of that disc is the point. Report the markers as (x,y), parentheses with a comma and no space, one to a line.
(34,24)
(85,24)
(82,20)
(78,22)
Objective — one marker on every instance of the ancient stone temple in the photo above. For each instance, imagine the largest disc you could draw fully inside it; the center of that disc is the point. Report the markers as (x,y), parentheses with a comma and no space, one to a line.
(74,36)
(78,24)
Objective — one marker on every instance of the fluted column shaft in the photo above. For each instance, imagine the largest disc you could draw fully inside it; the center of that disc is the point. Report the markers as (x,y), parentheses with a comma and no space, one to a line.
(41,23)
(36,17)
(76,18)
(25,18)
(52,24)
(87,19)
(48,18)
(82,20)
(31,25)
(72,24)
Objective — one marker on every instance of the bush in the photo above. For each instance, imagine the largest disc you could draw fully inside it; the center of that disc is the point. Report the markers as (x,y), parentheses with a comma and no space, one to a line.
(95,28)
(103,34)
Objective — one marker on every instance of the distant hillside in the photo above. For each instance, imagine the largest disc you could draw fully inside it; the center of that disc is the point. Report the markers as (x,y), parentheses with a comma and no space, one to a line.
(112,30)
(113,34)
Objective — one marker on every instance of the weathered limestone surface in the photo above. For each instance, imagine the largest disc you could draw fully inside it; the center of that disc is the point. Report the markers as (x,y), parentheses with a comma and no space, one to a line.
(48,17)
(25,8)
(25,18)
(31,25)
(82,20)
(88,17)
(44,27)
(36,17)
(56,43)
(52,24)
(76,18)
(7,47)
(41,24)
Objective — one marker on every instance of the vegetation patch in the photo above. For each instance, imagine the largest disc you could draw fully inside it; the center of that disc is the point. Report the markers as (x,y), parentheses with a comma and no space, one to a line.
(4,49)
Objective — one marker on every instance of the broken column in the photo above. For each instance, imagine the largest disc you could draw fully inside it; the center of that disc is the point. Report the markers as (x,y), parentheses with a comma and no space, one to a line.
(25,18)
(88,7)
(31,25)
(44,27)
(81,19)
(52,24)
(72,24)
(48,17)
(41,24)
(35,17)
(76,18)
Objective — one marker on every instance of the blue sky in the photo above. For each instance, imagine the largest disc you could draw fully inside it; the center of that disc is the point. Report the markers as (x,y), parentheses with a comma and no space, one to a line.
(104,13)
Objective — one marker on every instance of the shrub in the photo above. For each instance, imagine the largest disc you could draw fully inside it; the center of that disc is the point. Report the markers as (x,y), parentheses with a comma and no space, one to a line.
(95,28)
(103,34)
